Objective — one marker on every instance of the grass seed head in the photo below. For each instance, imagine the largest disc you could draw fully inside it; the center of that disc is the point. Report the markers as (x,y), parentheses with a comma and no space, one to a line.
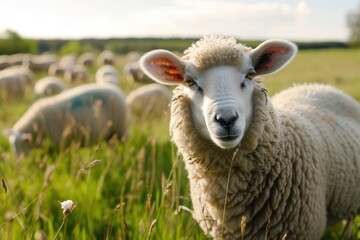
(4,185)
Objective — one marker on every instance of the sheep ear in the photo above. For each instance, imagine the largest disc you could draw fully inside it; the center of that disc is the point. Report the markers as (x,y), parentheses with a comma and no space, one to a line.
(163,66)
(272,55)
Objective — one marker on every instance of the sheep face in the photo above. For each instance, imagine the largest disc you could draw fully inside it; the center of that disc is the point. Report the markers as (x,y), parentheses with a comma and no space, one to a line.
(221,102)
(219,87)
(19,142)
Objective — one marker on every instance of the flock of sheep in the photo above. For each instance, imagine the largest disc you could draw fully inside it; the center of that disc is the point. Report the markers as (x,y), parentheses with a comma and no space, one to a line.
(68,107)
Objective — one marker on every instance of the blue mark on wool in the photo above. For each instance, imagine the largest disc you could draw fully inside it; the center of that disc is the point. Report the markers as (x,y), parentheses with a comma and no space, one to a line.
(86,100)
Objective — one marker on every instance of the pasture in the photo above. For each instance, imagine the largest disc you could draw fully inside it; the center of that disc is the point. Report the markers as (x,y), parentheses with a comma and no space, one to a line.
(138,189)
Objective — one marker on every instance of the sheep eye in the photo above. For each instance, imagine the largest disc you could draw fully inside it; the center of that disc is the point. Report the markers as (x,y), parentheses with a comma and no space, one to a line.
(251,74)
(189,81)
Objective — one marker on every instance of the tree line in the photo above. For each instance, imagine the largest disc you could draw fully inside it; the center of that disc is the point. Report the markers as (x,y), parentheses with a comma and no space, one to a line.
(14,43)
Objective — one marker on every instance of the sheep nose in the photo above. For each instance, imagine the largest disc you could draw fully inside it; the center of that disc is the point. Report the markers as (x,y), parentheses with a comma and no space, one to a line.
(226,121)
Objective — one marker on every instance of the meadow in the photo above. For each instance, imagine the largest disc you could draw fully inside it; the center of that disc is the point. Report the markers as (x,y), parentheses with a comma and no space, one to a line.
(132,190)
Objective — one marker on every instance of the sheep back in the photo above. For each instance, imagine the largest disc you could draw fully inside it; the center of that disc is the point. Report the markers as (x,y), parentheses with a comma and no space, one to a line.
(48,86)
(150,100)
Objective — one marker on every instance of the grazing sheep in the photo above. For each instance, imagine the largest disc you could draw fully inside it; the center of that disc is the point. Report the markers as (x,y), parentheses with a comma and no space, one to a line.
(13,81)
(40,62)
(86,59)
(133,56)
(18,59)
(84,114)
(48,86)
(151,100)
(290,166)
(4,62)
(12,86)
(12,60)
(106,57)
(26,73)
(107,74)
(77,73)
(134,73)
(55,69)
(67,62)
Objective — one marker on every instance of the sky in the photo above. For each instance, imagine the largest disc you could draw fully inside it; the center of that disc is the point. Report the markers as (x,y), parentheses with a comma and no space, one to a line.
(305,20)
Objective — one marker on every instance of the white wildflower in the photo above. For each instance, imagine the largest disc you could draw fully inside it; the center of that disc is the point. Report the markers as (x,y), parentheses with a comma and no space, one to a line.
(67,206)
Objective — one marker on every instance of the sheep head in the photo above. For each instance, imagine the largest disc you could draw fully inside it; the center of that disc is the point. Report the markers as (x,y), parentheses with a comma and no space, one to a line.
(19,142)
(217,75)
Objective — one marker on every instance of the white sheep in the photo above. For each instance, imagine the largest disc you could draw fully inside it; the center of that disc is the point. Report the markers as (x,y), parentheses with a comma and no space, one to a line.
(13,81)
(84,114)
(107,74)
(150,100)
(26,73)
(133,73)
(86,59)
(12,60)
(4,61)
(76,73)
(133,56)
(48,86)
(65,63)
(106,57)
(290,166)
(40,62)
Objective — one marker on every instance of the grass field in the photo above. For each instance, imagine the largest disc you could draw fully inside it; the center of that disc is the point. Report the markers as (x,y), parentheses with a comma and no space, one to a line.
(138,190)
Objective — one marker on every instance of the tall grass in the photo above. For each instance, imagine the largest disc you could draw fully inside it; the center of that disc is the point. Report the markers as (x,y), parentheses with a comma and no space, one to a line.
(135,190)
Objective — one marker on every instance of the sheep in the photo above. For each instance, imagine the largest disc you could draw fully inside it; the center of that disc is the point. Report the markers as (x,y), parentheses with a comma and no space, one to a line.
(133,56)
(66,63)
(13,81)
(18,59)
(40,62)
(12,86)
(48,86)
(26,73)
(287,166)
(133,73)
(86,59)
(151,100)
(4,62)
(55,69)
(106,57)
(107,74)
(84,114)
(12,60)
(76,73)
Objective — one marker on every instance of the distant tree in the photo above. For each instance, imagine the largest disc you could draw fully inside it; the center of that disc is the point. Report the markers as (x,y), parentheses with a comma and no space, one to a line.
(77,47)
(12,43)
(353,22)
(71,47)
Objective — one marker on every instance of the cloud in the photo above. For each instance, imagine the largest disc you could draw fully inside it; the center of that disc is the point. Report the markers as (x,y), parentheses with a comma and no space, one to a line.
(196,18)
(260,19)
